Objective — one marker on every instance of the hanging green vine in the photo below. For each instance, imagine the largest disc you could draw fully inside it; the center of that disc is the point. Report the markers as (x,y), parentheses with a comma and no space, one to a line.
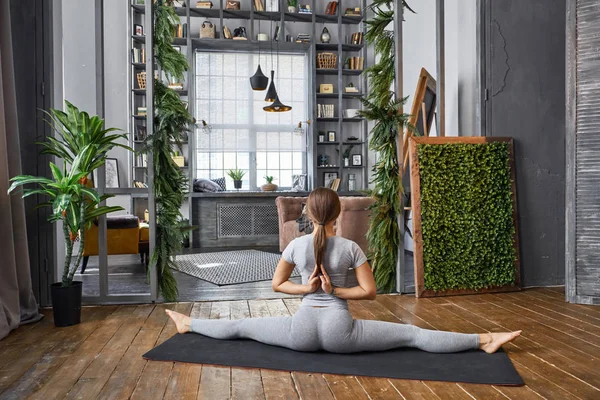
(466,216)
(382,107)
(171,120)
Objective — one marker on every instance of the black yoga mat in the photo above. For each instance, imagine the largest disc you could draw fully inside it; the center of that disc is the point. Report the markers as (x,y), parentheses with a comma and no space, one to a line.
(469,367)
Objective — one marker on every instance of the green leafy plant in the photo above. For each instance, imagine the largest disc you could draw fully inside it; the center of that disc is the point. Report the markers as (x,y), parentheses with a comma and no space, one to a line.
(76,205)
(269,179)
(236,174)
(172,121)
(381,107)
(76,131)
(292,3)
(346,153)
(466,215)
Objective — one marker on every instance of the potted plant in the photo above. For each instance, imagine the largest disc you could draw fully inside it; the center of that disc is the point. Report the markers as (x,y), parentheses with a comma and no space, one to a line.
(82,143)
(292,6)
(346,155)
(269,186)
(236,175)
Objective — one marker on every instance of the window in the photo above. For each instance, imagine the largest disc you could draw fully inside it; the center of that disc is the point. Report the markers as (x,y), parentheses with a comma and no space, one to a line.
(243,135)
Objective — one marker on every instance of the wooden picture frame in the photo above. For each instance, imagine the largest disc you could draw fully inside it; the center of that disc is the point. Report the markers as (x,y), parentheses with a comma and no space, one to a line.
(422,120)
(415,188)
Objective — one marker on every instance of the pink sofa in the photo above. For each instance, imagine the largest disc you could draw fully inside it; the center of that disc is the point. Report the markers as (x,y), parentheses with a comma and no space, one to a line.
(353,222)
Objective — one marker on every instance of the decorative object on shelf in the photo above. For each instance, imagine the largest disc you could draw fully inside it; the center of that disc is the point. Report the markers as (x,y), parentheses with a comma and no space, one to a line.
(352,113)
(204,4)
(111,169)
(207,30)
(146,215)
(325,36)
(141,79)
(331,136)
(304,9)
(335,184)
(299,183)
(331,8)
(357,160)
(299,131)
(321,137)
(262,37)
(240,33)
(236,175)
(289,38)
(178,3)
(138,30)
(179,160)
(292,6)
(323,160)
(140,133)
(259,80)
(326,88)
(352,139)
(276,33)
(351,182)
(346,155)
(174,84)
(352,12)
(350,88)
(326,60)
(328,178)
(269,186)
(232,5)
(141,111)
(206,128)
(325,110)
(226,32)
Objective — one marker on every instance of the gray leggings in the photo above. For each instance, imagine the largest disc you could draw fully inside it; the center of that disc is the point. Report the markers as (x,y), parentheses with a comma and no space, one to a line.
(334,330)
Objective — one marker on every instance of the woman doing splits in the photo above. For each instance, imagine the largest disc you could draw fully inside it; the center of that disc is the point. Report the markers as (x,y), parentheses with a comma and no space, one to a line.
(323,321)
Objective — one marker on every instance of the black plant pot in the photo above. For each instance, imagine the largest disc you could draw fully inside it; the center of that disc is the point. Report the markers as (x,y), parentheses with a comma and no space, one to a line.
(66,303)
(237,184)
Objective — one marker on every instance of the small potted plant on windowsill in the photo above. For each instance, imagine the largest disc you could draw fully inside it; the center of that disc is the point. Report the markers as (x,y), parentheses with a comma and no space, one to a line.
(269,186)
(292,6)
(236,175)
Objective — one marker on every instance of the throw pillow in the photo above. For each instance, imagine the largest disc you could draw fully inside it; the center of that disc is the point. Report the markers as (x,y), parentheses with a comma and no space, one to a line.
(206,185)
(304,223)
(220,182)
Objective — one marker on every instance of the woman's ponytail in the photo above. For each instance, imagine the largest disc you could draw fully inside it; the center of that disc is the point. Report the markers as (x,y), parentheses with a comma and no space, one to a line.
(323,207)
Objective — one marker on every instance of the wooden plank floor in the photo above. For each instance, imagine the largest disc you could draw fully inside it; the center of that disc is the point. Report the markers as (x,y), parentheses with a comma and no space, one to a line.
(557,356)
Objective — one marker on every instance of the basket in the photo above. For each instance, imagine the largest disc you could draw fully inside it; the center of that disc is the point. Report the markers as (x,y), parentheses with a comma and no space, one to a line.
(141,78)
(326,60)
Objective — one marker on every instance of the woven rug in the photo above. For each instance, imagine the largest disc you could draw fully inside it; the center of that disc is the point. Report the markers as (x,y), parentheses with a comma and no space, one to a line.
(231,267)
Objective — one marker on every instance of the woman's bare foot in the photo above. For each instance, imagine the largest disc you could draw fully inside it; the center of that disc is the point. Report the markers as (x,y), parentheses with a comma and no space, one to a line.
(491,342)
(181,321)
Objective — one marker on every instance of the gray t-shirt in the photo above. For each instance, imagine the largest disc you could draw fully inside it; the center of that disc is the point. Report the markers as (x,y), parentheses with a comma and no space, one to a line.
(340,256)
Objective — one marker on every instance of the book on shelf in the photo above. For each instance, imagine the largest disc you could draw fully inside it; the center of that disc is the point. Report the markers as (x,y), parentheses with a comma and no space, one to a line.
(142,160)
(325,110)
(356,63)
(352,12)
(303,38)
(356,38)
(335,184)
(140,185)
(331,8)
(258,5)
(204,4)
(277,33)
(180,30)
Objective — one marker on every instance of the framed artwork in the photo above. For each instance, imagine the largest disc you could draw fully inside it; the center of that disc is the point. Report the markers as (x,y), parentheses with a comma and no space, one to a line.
(112,173)
(140,133)
(299,183)
(328,178)
(357,159)
(331,136)
(138,30)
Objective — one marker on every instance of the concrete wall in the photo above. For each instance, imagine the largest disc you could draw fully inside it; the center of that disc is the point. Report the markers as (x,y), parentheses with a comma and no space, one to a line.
(526,81)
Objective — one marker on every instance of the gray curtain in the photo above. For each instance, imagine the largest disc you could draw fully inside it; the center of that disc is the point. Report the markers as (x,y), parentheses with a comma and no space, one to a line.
(17,303)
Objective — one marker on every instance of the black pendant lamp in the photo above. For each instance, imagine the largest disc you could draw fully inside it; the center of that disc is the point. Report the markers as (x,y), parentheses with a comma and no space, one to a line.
(277,105)
(272,92)
(259,81)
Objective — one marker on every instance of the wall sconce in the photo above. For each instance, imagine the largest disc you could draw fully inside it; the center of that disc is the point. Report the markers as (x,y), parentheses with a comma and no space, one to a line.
(206,128)
(299,131)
